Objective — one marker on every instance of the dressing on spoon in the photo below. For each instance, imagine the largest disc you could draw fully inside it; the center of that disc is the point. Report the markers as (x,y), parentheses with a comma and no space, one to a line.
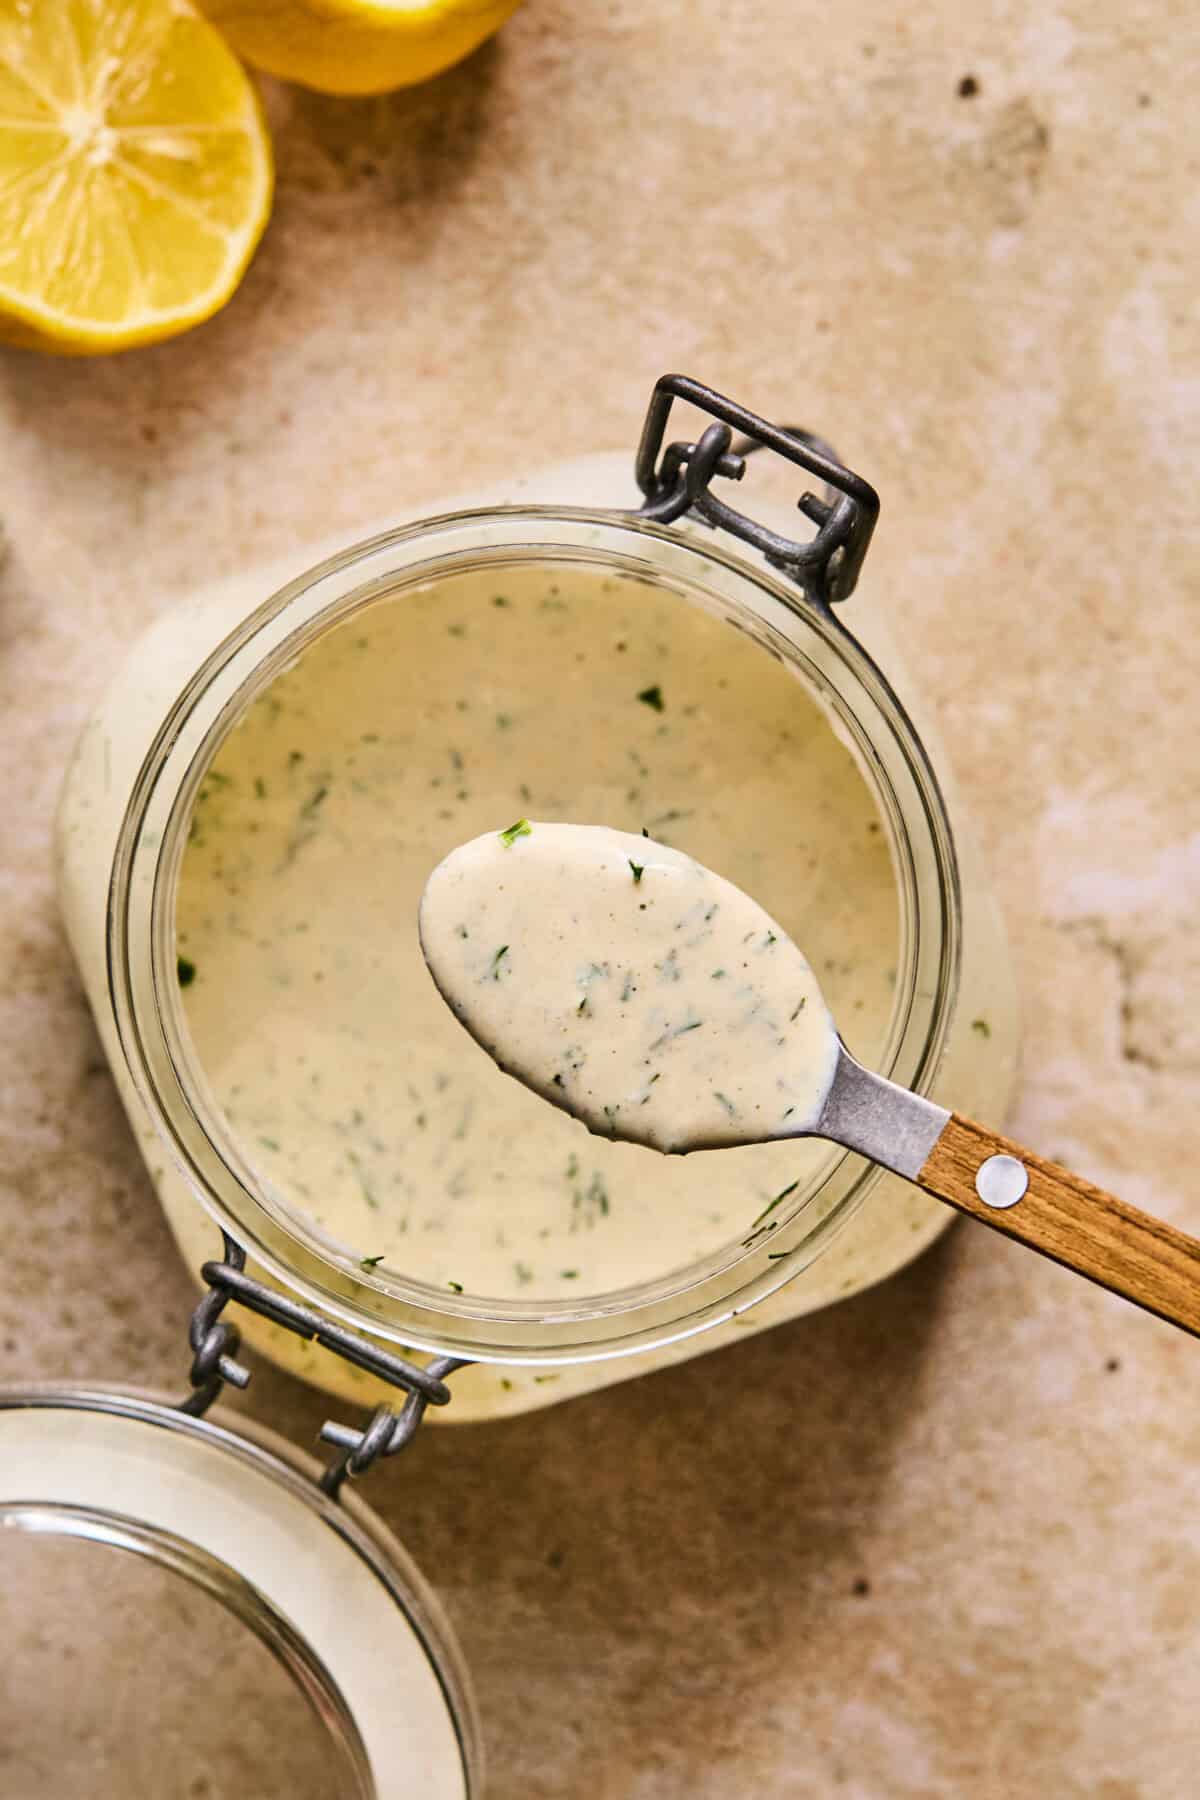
(630,986)
(657,1002)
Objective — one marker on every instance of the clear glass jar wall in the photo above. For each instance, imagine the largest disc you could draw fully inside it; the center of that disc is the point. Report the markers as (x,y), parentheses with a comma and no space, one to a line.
(950,1027)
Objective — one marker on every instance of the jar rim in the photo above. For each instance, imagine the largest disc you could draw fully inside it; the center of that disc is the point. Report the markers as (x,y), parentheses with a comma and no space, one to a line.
(140,922)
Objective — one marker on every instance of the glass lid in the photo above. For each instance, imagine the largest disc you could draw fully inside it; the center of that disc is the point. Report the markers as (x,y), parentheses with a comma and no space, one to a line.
(186,1614)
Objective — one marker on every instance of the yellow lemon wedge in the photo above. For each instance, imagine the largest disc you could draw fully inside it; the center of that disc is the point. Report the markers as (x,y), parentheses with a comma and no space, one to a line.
(135,172)
(356,46)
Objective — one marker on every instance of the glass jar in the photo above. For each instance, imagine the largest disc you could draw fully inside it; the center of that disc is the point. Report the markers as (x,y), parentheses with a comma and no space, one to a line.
(255,1634)
(130,799)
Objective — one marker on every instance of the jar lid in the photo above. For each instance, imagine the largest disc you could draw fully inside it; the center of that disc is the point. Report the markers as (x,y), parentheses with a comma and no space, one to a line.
(282,1641)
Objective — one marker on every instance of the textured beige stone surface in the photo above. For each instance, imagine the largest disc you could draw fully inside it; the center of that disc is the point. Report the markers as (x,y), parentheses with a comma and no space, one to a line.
(943,1540)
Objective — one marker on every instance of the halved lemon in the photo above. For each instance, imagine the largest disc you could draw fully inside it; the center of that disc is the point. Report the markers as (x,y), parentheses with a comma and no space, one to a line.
(135,172)
(356,46)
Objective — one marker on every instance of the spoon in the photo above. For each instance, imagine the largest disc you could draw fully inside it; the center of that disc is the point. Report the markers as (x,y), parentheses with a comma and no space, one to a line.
(658,1003)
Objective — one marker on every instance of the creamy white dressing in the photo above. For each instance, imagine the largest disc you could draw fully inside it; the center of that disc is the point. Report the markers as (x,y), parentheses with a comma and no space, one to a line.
(344,1079)
(629,985)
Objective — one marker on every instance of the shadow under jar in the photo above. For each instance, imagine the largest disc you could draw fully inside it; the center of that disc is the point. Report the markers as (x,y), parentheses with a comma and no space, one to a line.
(265,790)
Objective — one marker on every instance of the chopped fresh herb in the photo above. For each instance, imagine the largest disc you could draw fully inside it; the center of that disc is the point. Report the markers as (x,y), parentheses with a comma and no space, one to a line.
(541,1380)
(523,1273)
(269,1143)
(982,1027)
(570,1274)
(521,828)
(314,800)
(582,1007)
(652,696)
(457,630)
(719,975)
(782,1195)
(803,1002)
(639,869)
(771,939)
(774,1255)
(294,757)
(506,1384)
(185,970)
(500,600)
(503,721)
(559,1082)
(370,1262)
(260,787)
(726,1102)
(455,1287)
(497,959)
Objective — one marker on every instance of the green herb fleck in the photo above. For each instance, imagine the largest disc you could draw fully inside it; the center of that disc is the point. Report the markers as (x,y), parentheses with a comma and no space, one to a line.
(185,971)
(582,1008)
(982,1027)
(726,1102)
(497,959)
(503,721)
(294,757)
(455,1287)
(521,828)
(782,1195)
(506,1384)
(559,1082)
(771,939)
(260,787)
(803,1002)
(370,1262)
(500,600)
(269,1143)
(775,1255)
(652,696)
(719,975)
(523,1273)
(639,869)
(314,800)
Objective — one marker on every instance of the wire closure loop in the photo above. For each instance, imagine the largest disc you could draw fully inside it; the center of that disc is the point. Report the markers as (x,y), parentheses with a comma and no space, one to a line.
(827,566)
(214,1342)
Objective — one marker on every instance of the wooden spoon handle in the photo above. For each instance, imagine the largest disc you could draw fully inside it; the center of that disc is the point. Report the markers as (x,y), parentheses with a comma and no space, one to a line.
(1066,1218)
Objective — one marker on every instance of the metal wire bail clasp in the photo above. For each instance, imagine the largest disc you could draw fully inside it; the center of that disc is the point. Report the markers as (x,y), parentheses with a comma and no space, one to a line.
(827,566)
(214,1344)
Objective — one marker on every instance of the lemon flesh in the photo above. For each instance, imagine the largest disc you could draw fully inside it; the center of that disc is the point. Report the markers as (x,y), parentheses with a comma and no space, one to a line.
(135,172)
(356,46)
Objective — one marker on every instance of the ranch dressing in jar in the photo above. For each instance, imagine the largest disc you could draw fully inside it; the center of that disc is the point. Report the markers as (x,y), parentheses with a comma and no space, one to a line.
(414,725)
(243,839)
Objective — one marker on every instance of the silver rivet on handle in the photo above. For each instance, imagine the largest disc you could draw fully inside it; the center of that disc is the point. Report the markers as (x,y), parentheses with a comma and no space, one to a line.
(1001,1181)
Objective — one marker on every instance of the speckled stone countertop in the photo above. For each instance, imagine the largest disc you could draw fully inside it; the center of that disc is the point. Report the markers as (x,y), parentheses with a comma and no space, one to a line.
(948,1543)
